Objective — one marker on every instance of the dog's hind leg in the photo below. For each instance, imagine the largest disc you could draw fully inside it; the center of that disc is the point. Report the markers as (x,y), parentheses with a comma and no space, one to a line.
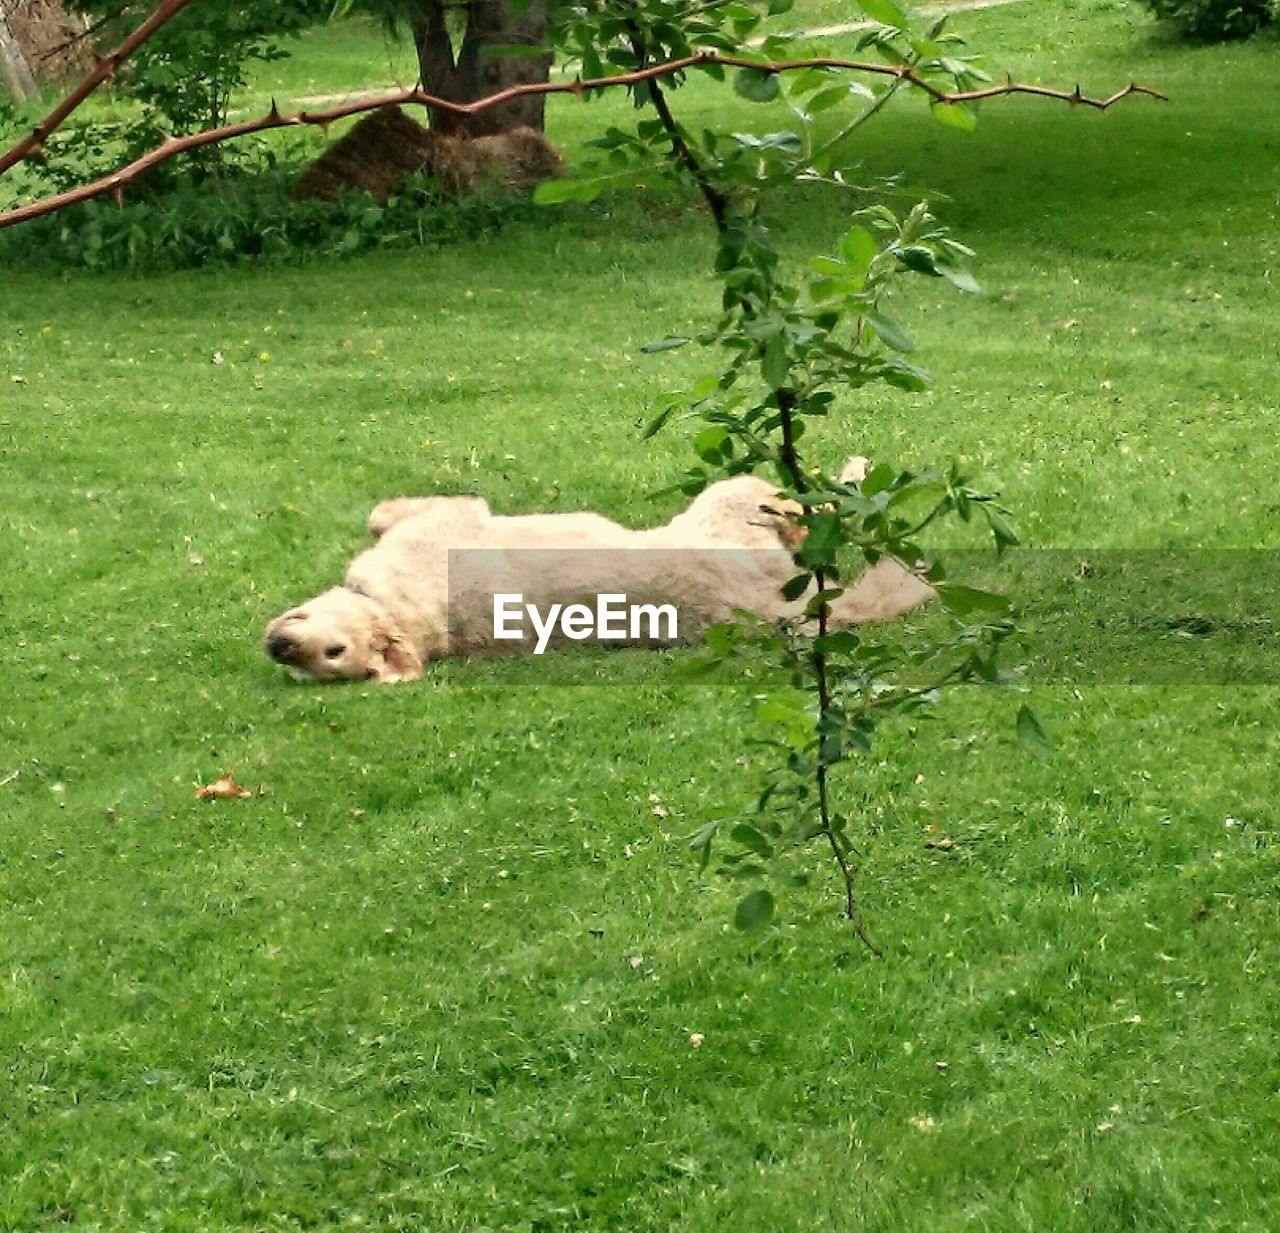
(882,592)
(386,514)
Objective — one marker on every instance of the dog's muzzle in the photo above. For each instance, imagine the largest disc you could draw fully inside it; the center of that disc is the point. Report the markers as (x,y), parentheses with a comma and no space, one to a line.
(280,647)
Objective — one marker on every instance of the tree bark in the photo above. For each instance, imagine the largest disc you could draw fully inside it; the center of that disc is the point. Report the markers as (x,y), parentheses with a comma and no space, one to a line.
(53,41)
(15,73)
(472,72)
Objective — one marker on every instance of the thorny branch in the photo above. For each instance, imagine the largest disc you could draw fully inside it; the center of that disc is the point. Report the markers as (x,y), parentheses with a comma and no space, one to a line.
(115,183)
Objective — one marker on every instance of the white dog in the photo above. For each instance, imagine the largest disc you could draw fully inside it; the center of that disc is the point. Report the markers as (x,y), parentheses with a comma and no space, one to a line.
(405,603)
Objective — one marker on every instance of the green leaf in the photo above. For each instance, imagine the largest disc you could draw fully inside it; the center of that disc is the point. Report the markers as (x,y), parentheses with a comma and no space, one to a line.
(919,258)
(749,837)
(755,911)
(707,444)
(774,711)
(796,587)
(965,601)
(1032,734)
(879,479)
(825,99)
(556,192)
(829,266)
(658,422)
(884,11)
(890,332)
(776,364)
(841,641)
(826,533)
(1001,528)
(920,492)
(954,115)
(701,841)
(665,344)
(756,85)
(822,599)
(719,639)
(703,836)
(960,279)
(859,249)
(703,387)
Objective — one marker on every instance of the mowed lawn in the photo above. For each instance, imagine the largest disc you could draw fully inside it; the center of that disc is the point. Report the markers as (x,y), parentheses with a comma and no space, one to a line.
(447,967)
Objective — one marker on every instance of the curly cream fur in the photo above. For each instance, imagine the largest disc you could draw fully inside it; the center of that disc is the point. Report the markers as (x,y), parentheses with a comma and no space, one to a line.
(396,610)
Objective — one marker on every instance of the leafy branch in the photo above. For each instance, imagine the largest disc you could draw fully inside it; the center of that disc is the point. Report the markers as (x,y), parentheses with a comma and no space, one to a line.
(115,183)
(791,345)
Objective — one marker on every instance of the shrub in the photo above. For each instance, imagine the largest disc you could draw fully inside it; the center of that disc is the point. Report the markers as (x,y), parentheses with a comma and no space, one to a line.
(1215,20)
(247,222)
(186,75)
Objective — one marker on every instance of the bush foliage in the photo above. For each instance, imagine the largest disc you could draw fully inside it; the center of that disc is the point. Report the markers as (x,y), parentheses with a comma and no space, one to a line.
(247,222)
(1215,20)
(186,74)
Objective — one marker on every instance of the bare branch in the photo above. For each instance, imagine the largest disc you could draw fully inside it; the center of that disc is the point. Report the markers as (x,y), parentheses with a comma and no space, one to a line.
(104,68)
(116,181)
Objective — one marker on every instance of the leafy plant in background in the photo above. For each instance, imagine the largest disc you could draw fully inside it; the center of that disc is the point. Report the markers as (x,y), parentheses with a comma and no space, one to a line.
(795,342)
(251,223)
(186,75)
(1216,20)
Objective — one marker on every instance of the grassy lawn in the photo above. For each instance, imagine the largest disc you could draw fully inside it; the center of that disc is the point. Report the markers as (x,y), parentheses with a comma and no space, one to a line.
(443,970)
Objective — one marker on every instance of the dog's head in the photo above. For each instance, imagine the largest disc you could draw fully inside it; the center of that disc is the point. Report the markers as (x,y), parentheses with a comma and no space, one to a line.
(342,636)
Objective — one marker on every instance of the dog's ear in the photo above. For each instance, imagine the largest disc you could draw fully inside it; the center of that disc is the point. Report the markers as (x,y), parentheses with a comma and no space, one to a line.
(394,657)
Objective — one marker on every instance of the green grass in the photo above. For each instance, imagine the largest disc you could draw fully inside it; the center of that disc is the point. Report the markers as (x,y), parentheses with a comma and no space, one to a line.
(399,988)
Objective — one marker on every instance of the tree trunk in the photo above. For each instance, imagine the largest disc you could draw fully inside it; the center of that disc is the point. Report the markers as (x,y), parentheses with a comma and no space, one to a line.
(472,72)
(54,39)
(15,72)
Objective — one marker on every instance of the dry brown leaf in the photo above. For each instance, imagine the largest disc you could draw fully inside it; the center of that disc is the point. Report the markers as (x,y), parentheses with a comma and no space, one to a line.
(222,789)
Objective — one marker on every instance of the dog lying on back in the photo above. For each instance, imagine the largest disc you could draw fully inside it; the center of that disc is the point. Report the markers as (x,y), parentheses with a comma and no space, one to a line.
(405,602)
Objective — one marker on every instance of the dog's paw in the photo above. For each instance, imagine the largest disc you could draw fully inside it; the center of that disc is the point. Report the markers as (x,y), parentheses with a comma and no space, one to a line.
(855,469)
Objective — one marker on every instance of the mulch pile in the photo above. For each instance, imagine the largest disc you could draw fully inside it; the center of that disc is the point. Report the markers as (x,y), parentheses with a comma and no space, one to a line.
(388,145)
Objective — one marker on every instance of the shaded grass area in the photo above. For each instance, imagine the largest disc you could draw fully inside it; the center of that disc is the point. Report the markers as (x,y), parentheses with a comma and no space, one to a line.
(445,969)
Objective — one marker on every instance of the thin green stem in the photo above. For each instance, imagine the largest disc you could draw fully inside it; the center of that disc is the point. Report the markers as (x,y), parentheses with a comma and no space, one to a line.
(849,129)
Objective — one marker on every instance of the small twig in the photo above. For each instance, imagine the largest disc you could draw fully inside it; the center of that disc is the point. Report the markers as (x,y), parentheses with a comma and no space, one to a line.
(8,779)
(116,181)
(850,875)
(78,37)
(909,695)
(868,113)
(938,510)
